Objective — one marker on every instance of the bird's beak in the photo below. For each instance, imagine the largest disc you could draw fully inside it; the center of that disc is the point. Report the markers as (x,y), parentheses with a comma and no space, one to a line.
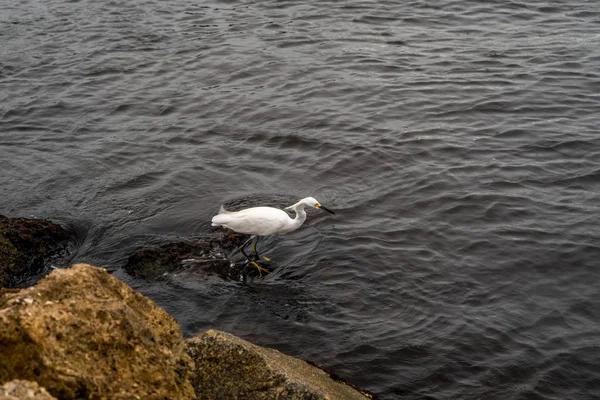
(324,208)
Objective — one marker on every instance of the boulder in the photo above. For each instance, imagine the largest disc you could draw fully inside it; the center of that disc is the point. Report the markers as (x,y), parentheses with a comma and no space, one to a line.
(227,367)
(23,390)
(81,333)
(25,246)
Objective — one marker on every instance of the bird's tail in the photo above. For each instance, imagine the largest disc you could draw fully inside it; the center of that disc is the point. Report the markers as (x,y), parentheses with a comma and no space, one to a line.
(218,219)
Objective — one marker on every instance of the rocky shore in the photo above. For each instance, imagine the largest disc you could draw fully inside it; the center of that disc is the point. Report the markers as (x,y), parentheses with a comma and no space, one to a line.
(80,333)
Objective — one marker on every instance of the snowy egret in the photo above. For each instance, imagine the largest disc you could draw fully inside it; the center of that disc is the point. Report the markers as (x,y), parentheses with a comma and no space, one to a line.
(264,221)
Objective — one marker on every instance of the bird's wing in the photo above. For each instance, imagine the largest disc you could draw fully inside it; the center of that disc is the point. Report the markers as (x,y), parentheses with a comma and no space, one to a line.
(262,220)
(254,221)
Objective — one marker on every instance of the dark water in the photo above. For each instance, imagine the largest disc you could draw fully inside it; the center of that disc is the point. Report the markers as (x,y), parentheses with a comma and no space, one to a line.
(458,142)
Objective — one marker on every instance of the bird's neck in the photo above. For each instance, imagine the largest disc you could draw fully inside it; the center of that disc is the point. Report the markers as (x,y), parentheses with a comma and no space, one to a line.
(300,216)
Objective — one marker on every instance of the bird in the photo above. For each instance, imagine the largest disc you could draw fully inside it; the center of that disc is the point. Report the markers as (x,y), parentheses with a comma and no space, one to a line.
(264,221)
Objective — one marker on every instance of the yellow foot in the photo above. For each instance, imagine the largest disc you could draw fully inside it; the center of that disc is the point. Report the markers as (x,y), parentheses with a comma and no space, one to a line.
(255,257)
(259,268)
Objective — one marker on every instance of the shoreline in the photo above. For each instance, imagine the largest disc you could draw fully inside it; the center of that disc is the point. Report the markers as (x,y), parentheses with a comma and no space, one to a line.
(81,332)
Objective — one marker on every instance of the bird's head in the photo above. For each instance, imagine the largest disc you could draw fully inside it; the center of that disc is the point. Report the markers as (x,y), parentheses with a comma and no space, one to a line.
(310,202)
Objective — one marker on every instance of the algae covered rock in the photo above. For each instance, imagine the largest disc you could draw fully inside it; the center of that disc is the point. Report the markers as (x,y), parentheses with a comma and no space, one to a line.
(207,255)
(23,390)
(228,367)
(81,333)
(25,245)
(155,262)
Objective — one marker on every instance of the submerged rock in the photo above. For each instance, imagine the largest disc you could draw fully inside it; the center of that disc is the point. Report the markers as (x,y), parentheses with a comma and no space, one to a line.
(21,390)
(81,333)
(25,246)
(228,367)
(208,254)
(154,262)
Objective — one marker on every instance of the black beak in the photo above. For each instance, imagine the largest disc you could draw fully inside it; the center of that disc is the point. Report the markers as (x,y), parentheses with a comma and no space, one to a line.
(326,209)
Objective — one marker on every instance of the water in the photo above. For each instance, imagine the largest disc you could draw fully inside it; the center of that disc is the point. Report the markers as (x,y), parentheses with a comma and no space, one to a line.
(457,142)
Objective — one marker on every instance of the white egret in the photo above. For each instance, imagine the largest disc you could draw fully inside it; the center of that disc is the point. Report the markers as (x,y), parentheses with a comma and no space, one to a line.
(264,221)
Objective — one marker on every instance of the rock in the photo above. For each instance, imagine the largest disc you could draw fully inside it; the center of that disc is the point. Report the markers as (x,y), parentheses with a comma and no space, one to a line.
(21,390)
(81,333)
(228,367)
(25,246)
(154,262)
(208,254)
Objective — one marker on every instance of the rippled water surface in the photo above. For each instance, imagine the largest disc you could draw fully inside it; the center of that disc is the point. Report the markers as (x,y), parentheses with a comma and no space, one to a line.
(458,142)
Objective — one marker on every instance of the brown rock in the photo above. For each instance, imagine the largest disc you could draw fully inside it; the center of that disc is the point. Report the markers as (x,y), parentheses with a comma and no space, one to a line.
(228,367)
(25,245)
(21,390)
(81,333)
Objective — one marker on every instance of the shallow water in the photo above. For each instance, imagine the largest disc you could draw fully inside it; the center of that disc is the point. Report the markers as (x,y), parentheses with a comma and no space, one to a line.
(458,144)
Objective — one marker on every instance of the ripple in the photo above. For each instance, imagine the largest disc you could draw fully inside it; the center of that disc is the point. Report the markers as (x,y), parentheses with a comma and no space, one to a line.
(457,144)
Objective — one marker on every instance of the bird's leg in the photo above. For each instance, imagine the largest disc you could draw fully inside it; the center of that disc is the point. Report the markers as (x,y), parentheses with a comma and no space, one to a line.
(253,252)
(241,247)
(253,263)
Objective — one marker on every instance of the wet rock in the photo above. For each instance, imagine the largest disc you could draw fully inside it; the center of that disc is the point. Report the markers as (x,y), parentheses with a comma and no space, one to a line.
(81,333)
(208,254)
(154,262)
(22,390)
(228,367)
(26,244)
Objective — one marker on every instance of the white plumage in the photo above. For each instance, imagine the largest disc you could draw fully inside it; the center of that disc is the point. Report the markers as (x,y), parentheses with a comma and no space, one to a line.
(264,221)
(254,221)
